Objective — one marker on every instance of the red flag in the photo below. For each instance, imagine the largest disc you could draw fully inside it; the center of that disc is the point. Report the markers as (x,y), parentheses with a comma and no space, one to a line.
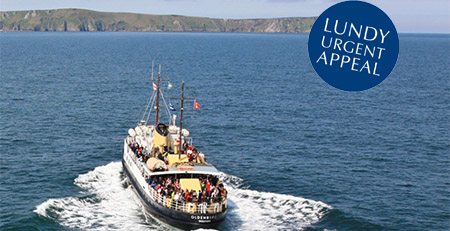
(154,86)
(196,105)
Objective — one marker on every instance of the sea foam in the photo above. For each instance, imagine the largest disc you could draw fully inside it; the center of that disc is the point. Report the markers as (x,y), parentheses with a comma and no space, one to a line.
(106,202)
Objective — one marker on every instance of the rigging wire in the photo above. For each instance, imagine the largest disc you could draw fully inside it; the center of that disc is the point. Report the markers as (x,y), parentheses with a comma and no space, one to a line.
(167,107)
(148,109)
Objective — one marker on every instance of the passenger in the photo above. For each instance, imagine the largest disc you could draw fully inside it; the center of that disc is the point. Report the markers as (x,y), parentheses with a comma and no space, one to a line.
(158,188)
(182,198)
(160,156)
(172,194)
(194,196)
(214,194)
(224,193)
(193,157)
(177,196)
(188,155)
(144,151)
(199,195)
(201,157)
(187,196)
(166,157)
(214,181)
(203,184)
(153,184)
(136,147)
(203,197)
(155,152)
(208,186)
(189,150)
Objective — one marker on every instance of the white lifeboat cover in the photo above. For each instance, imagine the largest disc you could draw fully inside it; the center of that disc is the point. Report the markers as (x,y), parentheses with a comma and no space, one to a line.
(173,129)
(145,130)
(131,132)
(154,163)
(138,131)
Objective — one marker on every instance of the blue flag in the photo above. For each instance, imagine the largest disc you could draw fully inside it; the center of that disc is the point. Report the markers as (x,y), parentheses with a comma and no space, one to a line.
(171,107)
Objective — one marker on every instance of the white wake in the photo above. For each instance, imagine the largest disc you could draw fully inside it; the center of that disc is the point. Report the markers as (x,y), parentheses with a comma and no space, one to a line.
(105,204)
(253,210)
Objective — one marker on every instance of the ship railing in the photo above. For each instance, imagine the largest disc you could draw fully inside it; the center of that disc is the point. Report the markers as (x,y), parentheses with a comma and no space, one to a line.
(136,161)
(191,207)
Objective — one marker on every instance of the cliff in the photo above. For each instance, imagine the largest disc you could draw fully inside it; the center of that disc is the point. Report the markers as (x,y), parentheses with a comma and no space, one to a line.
(87,20)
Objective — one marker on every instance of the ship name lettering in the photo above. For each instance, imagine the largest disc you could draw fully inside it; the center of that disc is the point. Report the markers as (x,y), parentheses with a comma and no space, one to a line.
(202,217)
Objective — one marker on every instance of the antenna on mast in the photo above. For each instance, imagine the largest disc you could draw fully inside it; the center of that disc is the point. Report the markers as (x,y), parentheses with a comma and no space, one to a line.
(153,62)
(182,98)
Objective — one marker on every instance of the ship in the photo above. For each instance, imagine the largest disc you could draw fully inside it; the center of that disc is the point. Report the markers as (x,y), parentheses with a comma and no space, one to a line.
(171,178)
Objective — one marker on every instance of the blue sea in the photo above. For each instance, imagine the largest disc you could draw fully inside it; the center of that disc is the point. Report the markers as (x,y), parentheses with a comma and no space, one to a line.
(296,153)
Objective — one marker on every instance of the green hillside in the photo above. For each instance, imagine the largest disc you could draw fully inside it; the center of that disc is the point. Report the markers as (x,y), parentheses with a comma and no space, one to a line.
(87,20)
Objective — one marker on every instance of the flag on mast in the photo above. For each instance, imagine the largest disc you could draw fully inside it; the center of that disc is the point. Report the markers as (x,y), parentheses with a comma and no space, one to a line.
(196,105)
(171,107)
(155,87)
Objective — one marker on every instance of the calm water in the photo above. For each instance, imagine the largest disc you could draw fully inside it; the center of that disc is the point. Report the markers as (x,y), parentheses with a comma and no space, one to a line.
(298,153)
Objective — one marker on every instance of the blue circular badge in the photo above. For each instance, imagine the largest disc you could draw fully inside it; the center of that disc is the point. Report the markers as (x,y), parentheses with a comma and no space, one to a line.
(353,46)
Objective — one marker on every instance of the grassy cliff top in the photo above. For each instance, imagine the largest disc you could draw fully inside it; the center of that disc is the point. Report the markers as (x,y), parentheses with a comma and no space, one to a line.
(88,20)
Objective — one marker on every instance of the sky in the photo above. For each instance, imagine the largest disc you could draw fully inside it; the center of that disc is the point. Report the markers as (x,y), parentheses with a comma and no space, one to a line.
(409,16)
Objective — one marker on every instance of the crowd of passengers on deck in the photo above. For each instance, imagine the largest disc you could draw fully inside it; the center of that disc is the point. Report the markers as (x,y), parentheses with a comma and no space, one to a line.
(212,190)
(143,154)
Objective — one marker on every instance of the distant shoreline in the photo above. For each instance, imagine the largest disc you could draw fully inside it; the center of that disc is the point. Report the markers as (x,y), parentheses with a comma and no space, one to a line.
(80,20)
(157,32)
(206,32)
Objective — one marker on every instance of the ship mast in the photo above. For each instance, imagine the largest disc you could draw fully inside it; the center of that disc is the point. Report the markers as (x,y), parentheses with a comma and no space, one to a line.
(181,117)
(158,81)
(157,96)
